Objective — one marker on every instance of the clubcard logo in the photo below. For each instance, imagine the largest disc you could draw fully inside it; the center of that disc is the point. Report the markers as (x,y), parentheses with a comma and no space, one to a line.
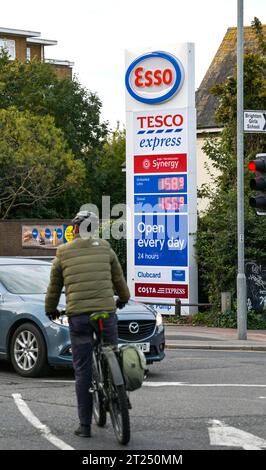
(154,77)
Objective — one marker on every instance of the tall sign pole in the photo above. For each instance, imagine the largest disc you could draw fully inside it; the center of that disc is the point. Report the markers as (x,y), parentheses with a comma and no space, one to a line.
(241,278)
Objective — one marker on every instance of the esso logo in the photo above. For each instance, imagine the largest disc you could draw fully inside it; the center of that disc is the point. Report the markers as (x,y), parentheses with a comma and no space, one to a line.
(154,77)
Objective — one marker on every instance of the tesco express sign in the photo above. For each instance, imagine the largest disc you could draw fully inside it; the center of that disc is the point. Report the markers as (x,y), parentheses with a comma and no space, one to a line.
(154,77)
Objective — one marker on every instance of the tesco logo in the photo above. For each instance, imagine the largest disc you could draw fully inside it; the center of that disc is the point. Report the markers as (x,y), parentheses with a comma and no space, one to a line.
(151,122)
(154,77)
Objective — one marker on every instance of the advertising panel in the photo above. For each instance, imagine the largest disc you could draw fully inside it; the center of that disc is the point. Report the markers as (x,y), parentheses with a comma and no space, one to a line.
(42,236)
(46,236)
(161,175)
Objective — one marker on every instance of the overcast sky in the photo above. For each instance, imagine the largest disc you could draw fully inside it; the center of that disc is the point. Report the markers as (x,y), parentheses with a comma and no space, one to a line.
(94,34)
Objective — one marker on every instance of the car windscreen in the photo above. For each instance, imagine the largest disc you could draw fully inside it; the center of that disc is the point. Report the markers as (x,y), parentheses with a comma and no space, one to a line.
(25,279)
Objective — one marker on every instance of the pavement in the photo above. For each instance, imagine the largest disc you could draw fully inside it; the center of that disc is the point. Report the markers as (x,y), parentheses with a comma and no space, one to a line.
(203,337)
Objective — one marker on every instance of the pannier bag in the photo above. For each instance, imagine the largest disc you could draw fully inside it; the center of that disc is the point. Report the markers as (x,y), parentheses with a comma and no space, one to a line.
(133,364)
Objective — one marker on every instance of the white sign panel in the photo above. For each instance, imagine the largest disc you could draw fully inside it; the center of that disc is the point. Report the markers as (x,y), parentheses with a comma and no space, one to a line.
(161,175)
(255,121)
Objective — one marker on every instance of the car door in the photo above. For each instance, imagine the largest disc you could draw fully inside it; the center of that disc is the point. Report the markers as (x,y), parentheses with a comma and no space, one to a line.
(6,315)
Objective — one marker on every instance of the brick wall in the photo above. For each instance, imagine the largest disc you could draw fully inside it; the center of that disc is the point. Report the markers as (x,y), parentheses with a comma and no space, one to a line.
(35,51)
(62,71)
(10,237)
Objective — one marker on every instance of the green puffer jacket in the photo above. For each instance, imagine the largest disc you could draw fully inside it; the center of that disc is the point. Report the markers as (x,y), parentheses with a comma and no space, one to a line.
(90,271)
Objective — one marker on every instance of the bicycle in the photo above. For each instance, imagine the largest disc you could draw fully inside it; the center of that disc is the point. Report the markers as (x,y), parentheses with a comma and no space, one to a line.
(108,386)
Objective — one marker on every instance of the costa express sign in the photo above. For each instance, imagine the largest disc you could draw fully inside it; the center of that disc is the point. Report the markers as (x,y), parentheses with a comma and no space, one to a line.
(154,77)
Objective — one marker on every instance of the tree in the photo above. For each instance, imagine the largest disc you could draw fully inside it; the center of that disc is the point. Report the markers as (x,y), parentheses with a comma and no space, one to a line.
(107,170)
(36,166)
(217,234)
(33,86)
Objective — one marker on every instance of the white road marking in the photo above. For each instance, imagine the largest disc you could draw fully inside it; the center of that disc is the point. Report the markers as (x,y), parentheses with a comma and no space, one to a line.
(34,421)
(184,384)
(262,397)
(147,383)
(58,381)
(223,435)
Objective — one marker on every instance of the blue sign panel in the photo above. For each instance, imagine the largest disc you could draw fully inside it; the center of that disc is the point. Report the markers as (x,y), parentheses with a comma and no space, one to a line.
(160,203)
(35,233)
(162,184)
(161,240)
(178,275)
(59,233)
(47,233)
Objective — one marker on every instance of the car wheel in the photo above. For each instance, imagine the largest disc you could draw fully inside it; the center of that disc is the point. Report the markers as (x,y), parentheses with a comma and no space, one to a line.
(28,351)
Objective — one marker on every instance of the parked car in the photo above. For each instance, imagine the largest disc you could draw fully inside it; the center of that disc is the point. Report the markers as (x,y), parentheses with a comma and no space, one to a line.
(32,342)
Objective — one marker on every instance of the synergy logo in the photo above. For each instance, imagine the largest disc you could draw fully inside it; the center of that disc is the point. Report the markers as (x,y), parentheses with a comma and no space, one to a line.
(154,77)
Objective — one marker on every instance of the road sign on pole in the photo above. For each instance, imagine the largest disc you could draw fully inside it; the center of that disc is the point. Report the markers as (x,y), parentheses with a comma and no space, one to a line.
(255,121)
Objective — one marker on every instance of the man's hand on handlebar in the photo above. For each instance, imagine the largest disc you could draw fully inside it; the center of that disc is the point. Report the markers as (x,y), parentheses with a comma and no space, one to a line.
(120,304)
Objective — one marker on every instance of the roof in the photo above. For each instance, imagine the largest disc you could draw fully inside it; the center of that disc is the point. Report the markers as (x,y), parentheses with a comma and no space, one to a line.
(61,63)
(14,260)
(221,68)
(44,42)
(19,32)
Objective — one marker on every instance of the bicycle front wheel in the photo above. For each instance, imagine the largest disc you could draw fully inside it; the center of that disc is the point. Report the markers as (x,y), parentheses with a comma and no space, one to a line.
(118,407)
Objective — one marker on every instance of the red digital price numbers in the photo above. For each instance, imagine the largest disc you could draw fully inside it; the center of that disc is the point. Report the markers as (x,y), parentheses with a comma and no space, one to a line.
(171,203)
(175,183)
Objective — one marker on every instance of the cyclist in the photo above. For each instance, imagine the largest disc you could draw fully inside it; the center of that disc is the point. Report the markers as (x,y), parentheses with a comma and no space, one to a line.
(90,271)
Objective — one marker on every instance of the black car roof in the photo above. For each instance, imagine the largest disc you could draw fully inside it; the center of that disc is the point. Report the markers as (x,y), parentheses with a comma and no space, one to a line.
(4,260)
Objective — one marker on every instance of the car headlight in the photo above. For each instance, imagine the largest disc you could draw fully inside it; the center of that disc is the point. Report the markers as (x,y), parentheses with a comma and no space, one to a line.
(63,320)
(159,319)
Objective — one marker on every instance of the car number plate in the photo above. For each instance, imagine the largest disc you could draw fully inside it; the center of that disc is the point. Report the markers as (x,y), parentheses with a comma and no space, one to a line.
(145,347)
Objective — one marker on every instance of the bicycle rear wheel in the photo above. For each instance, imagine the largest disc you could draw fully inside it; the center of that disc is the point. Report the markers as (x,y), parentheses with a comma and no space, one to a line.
(118,407)
(99,410)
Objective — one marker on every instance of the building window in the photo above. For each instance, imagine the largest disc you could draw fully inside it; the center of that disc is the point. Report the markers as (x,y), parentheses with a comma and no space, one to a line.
(10,46)
(28,54)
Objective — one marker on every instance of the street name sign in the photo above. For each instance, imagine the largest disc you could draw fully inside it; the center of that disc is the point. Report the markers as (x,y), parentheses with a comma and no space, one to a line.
(255,121)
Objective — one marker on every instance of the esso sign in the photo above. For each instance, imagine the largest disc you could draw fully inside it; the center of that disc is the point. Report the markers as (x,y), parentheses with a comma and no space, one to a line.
(154,77)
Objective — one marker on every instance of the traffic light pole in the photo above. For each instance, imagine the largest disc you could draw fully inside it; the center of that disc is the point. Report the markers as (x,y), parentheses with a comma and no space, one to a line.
(241,278)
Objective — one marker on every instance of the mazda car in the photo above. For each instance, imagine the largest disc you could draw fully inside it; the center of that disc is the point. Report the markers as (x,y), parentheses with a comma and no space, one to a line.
(33,343)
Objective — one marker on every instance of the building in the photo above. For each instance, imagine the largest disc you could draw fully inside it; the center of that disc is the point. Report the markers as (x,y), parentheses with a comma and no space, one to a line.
(27,45)
(222,67)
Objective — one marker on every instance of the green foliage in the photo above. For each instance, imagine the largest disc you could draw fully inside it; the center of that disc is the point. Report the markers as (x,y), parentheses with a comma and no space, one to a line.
(217,235)
(217,319)
(107,170)
(35,162)
(109,230)
(228,319)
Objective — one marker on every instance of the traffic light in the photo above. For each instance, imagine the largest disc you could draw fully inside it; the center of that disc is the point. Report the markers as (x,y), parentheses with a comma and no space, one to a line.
(258,183)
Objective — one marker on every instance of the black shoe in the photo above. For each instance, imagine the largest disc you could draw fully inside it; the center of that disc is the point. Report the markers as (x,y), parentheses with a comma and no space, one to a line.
(83,431)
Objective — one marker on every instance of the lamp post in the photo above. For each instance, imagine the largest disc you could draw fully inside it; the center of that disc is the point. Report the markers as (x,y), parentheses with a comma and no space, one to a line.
(241,277)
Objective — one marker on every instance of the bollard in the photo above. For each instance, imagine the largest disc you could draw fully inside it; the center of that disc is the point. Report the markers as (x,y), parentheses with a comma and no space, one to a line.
(226,301)
(177,307)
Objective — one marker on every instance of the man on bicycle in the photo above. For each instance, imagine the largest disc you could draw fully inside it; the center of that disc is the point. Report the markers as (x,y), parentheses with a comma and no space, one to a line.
(90,271)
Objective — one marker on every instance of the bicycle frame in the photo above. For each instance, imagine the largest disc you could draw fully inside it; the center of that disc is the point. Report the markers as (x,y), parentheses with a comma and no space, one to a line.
(109,388)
